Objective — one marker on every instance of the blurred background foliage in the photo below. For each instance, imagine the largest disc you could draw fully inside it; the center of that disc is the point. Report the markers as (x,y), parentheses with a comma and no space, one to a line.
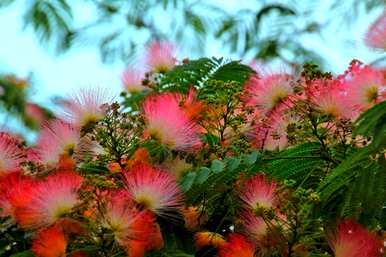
(262,30)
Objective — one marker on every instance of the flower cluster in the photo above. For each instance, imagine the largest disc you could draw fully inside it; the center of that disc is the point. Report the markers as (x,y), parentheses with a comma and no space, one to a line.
(200,164)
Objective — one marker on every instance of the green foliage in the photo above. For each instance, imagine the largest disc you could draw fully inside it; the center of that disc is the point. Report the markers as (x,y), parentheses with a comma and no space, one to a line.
(297,162)
(372,124)
(197,72)
(242,31)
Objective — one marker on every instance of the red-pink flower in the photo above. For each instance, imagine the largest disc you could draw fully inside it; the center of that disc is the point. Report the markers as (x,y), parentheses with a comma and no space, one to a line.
(255,226)
(259,193)
(126,222)
(270,132)
(50,242)
(364,86)
(50,199)
(160,56)
(168,122)
(376,35)
(237,246)
(268,92)
(154,189)
(328,97)
(56,139)
(132,80)
(11,153)
(86,107)
(14,191)
(353,240)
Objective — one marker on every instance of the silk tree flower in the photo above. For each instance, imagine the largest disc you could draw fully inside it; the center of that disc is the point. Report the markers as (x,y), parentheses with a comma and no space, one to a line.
(237,245)
(50,242)
(126,222)
(353,240)
(168,122)
(206,238)
(154,189)
(57,139)
(11,153)
(328,97)
(259,193)
(50,199)
(255,227)
(86,107)
(364,86)
(376,35)
(132,80)
(14,191)
(267,92)
(270,132)
(160,56)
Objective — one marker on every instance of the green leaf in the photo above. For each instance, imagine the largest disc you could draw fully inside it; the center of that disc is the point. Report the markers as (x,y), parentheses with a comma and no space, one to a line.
(23,254)
(372,123)
(188,180)
(217,166)
(233,163)
(296,162)
(251,158)
(202,175)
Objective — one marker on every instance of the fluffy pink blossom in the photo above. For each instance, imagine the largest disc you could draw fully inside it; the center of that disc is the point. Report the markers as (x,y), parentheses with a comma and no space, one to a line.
(11,153)
(126,222)
(270,132)
(50,199)
(376,35)
(255,226)
(268,92)
(154,189)
(14,190)
(364,86)
(258,193)
(328,97)
(56,139)
(86,107)
(132,80)
(160,56)
(353,240)
(169,122)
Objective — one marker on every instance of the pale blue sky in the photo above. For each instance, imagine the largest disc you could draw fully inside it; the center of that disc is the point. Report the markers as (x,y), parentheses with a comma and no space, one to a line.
(21,52)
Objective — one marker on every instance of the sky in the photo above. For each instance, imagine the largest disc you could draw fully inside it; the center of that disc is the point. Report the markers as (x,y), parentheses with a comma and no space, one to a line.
(21,52)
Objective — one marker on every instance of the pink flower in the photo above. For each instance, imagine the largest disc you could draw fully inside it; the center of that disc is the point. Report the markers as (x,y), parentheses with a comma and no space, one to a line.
(50,199)
(132,80)
(270,132)
(57,139)
(268,92)
(154,189)
(364,86)
(237,246)
(86,107)
(255,226)
(160,56)
(126,222)
(376,35)
(258,193)
(11,153)
(50,242)
(14,190)
(353,240)
(328,97)
(168,122)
